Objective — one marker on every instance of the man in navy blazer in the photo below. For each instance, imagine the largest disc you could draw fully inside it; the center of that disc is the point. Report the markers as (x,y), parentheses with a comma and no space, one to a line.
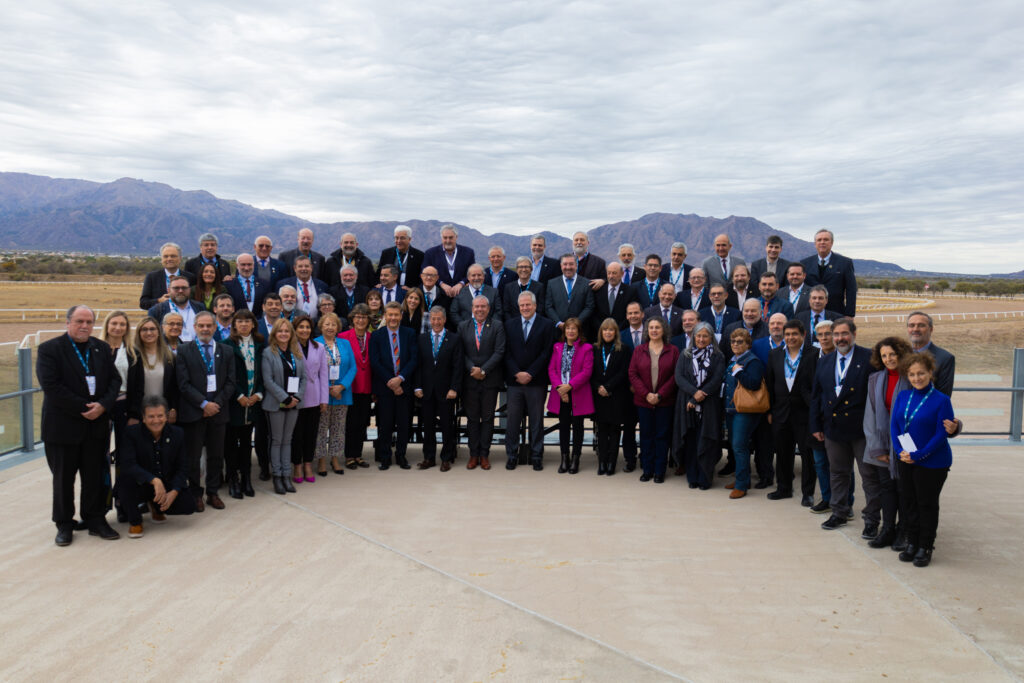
(611,300)
(307,288)
(568,296)
(676,271)
(695,295)
(246,290)
(771,263)
(817,299)
(405,257)
(835,271)
(794,288)
(646,288)
(526,364)
(304,248)
(718,315)
(496,274)
(919,331)
(268,268)
(208,254)
(462,305)
(438,385)
(666,308)
(764,346)
(393,383)
(770,302)
(837,416)
(632,335)
(542,267)
(155,285)
(450,260)
(524,283)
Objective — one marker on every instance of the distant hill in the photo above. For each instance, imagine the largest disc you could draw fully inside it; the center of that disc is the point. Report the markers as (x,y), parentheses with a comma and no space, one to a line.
(131,216)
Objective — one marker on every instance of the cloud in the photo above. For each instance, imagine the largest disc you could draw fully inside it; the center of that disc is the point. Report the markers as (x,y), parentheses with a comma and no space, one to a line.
(897,126)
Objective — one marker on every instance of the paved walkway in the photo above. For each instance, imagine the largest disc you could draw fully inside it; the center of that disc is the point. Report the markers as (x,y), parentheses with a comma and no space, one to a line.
(476,576)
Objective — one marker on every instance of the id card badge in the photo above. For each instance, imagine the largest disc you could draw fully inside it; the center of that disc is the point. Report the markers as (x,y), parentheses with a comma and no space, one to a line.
(907,442)
(335,373)
(839,387)
(211,383)
(293,385)
(90,380)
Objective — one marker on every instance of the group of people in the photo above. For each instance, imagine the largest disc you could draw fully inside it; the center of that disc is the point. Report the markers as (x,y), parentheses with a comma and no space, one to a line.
(671,362)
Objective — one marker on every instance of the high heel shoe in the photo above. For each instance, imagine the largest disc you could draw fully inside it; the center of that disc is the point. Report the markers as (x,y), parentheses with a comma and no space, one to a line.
(287,485)
(336,466)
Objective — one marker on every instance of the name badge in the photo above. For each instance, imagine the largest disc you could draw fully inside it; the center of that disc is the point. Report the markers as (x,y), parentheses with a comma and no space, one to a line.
(335,372)
(718,338)
(293,385)
(907,442)
(211,382)
(90,380)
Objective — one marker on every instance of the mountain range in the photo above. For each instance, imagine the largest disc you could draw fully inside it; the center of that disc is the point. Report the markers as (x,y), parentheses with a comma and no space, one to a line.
(130,216)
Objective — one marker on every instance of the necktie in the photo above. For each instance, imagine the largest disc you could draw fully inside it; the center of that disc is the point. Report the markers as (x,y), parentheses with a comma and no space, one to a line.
(479,327)
(248,290)
(666,313)
(263,263)
(305,292)
(625,276)
(636,338)
(842,365)
(430,301)
(394,350)
(526,329)
(436,346)
(821,268)
(814,327)
(725,269)
(476,293)
(388,292)
(611,298)
(568,287)
(650,290)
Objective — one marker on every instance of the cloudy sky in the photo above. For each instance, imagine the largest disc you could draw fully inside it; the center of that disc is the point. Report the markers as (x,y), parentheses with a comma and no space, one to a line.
(898,124)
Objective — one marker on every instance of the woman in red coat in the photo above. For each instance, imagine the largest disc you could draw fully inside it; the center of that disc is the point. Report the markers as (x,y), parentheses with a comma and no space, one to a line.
(358,419)
(572,362)
(652,376)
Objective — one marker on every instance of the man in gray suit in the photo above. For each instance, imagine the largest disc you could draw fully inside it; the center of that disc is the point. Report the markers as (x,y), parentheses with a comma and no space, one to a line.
(483,345)
(719,268)
(462,304)
(568,296)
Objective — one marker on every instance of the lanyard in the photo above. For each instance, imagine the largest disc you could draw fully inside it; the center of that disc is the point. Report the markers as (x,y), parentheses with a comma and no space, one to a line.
(719,319)
(451,261)
(83,361)
(479,333)
(772,345)
(207,361)
(334,360)
(908,417)
(791,367)
(400,261)
(675,280)
(438,339)
(290,360)
(604,357)
(841,371)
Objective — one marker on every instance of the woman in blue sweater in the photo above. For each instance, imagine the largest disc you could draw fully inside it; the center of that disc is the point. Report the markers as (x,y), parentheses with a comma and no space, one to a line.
(919,413)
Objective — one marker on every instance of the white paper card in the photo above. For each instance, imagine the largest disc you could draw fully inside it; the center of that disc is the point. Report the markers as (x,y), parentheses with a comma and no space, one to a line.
(90,380)
(907,443)
(211,382)
(293,385)
(335,372)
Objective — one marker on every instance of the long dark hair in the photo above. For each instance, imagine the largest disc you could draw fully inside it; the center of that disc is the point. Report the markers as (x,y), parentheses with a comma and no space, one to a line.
(245,314)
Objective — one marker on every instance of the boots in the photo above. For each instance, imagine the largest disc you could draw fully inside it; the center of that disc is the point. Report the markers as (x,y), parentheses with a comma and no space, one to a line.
(609,466)
(884,538)
(246,483)
(278,485)
(286,481)
(923,557)
(909,553)
(234,486)
(563,466)
(574,466)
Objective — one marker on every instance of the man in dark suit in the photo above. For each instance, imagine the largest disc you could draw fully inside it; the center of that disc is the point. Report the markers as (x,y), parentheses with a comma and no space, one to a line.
(837,417)
(405,257)
(154,470)
(433,295)
(631,270)
(394,357)
(646,288)
(667,309)
(835,271)
(764,346)
(688,321)
(180,303)
(695,296)
(676,271)
(349,292)
(268,268)
(438,382)
(206,383)
(307,288)
(272,309)
(247,290)
(349,253)
(305,248)
(529,339)
(450,260)
(483,346)
(718,315)
(208,254)
(770,303)
(462,305)
(739,288)
(816,312)
(590,266)
(719,268)
(80,385)
(750,320)
(632,336)
(542,267)
(790,376)
(919,330)
(795,290)
(524,283)
(611,300)
(568,296)
(771,263)
(155,286)
(496,274)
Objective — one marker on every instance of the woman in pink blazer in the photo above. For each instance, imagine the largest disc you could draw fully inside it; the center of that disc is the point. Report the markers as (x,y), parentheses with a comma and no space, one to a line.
(358,419)
(313,401)
(572,362)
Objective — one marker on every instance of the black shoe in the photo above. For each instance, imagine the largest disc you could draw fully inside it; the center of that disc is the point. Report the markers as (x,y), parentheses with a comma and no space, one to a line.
(833,523)
(235,488)
(850,515)
(900,544)
(704,487)
(629,466)
(279,486)
(287,481)
(659,479)
(821,508)
(65,535)
(81,526)
(923,557)
(511,463)
(909,553)
(383,466)
(870,531)
(574,464)
(121,517)
(609,469)
(538,465)
(727,470)
(404,464)
(645,477)
(600,468)
(884,538)
(807,501)
(246,485)
(103,530)
(763,484)
(693,484)
(563,466)
(362,463)
(778,495)
(264,475)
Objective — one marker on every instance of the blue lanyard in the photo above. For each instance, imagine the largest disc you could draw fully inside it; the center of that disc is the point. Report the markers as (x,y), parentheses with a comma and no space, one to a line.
(675,282)
(83,361)
(207,361)
(791,368)
(290,360)
(330,354)
(906,410)
(604,357)
(400,262)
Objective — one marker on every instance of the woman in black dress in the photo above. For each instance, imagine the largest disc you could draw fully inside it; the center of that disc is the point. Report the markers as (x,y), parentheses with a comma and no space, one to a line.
(612,400)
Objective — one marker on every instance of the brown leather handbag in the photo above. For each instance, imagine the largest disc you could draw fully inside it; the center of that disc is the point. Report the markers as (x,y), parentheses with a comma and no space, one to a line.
(747,401)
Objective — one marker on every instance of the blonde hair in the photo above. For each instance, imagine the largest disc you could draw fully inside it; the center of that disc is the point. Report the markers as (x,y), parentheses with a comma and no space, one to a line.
(126,342)
(293,343)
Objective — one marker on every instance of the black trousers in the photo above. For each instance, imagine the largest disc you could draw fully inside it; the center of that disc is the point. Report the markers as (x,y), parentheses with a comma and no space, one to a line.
(629,429)
(700,454)
(209,434)
(238,448)
(919,492)
(788,436)
(570,430)
(608,442)
(87,459)
(262,441)
(479,403)
(393,416)
(438,414)
(304,436)
(133,494)
(119,420)
(356,422)
(890,497)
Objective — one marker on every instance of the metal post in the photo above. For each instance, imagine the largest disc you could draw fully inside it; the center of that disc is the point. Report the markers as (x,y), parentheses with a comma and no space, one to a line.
(28,438)
(1017,398)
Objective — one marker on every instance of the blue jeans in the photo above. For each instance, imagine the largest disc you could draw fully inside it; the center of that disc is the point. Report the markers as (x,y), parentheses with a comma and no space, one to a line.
(655,434)
(741,431)
(823,471)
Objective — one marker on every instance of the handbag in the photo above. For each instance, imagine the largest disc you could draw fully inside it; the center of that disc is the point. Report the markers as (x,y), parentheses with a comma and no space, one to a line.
(747,401)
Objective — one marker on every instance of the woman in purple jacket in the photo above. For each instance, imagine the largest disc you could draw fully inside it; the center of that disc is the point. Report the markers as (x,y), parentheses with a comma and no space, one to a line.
(652,376)
(572,362)
(314,401)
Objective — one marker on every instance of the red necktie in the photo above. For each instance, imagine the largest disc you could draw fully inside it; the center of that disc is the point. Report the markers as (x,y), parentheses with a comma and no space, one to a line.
(305,292)
(394,350)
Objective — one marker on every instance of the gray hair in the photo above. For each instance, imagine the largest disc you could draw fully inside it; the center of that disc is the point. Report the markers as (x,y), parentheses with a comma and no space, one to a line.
(501,249)
(449,226)
(208,237)
(627,245)
(348,266)
(287,288)
(204,314)
(931,323)
(820,288)
(524,259)
(529,295)
(439,309)
(403,230)
(703,326)
(482,298)
(540,237)
(679,245)
(325,298)
(823,325)
(245,253)
(71,311)
(170,245)
(830,233)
